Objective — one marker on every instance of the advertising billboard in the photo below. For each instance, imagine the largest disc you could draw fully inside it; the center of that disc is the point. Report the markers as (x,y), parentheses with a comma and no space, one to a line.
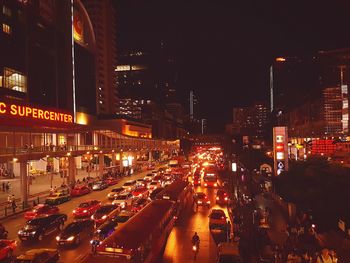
(280,149)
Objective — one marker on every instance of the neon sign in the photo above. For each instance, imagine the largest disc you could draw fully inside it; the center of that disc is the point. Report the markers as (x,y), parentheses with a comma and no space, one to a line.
(34,113)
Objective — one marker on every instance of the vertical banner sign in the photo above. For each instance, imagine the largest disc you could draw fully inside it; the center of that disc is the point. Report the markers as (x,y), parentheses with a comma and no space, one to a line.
(280,149)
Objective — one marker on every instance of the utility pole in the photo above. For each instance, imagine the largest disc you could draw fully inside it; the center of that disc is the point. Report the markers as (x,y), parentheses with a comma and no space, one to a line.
(204,122)
(191,106)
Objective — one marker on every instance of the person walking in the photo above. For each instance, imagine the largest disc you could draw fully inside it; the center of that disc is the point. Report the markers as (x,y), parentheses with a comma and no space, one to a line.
(13,204)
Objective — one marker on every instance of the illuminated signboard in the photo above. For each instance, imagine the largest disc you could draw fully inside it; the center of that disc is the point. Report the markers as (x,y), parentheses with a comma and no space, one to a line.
(280,149)
(33,113)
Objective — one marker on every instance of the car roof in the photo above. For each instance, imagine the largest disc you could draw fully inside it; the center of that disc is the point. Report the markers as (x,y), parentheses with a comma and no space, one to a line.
(31,254)
(125,213)
(219,211)
(227,248)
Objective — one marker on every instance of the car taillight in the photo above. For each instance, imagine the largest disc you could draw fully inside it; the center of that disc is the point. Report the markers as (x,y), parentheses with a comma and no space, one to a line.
(225,198)
(222,217)
(205,184)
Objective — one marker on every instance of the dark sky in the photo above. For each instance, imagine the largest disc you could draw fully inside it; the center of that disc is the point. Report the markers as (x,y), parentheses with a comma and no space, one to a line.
(224,48)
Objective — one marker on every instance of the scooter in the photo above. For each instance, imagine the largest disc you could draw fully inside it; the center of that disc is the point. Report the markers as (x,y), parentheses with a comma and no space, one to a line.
(195,249)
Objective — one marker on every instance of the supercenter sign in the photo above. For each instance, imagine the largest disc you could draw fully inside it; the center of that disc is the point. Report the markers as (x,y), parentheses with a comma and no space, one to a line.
(280,149)
(35,113)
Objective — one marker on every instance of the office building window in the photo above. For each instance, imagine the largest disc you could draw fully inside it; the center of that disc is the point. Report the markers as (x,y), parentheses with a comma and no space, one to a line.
(6,28)
(14,80)
(6,11)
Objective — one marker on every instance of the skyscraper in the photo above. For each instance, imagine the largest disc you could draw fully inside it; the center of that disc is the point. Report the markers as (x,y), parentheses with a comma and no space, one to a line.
(103,18)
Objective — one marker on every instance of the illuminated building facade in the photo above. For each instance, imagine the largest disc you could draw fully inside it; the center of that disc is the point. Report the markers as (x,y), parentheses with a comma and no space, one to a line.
(103,18)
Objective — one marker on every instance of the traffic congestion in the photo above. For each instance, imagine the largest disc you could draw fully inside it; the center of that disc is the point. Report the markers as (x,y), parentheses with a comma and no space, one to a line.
(128,219)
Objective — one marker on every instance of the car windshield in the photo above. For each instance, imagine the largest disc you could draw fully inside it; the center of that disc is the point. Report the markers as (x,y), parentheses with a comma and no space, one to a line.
(200,195)
(154,183)
(83,205)
(122,219)
(210,179)
(216,215)
(117,189)
(140,201)
(36,221)
(128,183)
(105,209)
(229,259)
(121,197)
(72,227)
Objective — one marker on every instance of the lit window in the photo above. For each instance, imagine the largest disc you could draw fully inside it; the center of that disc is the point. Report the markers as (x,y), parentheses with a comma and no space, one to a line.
(6,10)
(100,101)
(14,80)
(6,28)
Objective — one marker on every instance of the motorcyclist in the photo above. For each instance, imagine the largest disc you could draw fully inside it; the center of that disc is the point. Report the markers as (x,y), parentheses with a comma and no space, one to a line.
(195,239)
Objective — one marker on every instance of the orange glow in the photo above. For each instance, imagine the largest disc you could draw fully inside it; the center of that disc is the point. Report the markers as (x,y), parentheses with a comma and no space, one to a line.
(280,59)
(34,113)
(135,131)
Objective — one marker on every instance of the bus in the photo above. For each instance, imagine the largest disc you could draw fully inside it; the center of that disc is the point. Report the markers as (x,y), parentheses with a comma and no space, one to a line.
(210,178)
(180,192)
(141,239)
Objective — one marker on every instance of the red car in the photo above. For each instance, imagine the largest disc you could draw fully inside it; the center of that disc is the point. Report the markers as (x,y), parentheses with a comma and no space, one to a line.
(86,209)
(7,248)
(112,181)
(140,192)
(221,197)
(80,190)
(139,204)
(40,210)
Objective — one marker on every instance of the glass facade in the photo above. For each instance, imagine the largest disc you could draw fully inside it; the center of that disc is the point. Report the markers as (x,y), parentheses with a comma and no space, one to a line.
(14,80)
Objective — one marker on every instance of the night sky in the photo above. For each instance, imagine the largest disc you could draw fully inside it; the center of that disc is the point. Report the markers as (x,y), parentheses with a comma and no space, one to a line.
(224,48)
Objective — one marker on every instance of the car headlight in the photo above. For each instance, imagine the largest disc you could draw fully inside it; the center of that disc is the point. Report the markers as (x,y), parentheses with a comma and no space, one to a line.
(33,233)
(109,195)
(215,184)
(104,217)
(226,198)
(70,238)
(217,198)
(85,211)
(74,211)
(20,232)
(58,238)
(92,217)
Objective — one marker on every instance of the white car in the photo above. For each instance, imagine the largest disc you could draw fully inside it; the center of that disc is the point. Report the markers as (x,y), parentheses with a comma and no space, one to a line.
(153,185)
(124,199)
(148,177)
(129,185)
(115,192)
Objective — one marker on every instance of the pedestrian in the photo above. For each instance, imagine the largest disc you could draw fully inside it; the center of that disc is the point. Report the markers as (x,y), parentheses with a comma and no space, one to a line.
(7,186)
(13,204)
(325,257)
(228,231)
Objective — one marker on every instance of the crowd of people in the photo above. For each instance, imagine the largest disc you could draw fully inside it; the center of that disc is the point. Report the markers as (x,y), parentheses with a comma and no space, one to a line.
(7,173)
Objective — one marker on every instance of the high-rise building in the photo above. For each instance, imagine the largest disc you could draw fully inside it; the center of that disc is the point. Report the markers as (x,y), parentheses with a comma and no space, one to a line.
(103,18)
(250,120)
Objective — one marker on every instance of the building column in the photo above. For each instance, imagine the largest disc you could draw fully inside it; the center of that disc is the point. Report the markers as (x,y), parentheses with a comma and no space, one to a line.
(101,164)
(72,169)
(23,169)
(121,167)
(150,156)
(114,159)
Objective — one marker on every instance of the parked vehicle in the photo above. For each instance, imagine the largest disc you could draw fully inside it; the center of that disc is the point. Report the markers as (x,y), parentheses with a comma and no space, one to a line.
(42,255)
(57,198)
(80,190)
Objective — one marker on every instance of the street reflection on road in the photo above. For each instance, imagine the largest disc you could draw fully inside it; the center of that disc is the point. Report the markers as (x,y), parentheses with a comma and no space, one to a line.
(179,246)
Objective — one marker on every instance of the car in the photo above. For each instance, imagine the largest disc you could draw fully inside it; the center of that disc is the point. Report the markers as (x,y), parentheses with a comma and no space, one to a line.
(148,177)
(167,182)
(74,232)
(104,231)
(124,199)
(141,182)
(111,181)
(201,199)
(228,253)
(221,197)
(158,178)
(197,181)
(105,212)
(80,190)
(37,228)
(42,255)
(41,210)
(7,248)
(151,167)
(153,185)
(154,193)
(129,185)
(140,192)
(114,193)
(57,198)
(138,204)
(86,209)
(99,185)
(217,219)
(123,216)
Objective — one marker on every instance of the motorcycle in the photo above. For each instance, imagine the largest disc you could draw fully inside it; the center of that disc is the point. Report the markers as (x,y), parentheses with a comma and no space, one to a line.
(195,248)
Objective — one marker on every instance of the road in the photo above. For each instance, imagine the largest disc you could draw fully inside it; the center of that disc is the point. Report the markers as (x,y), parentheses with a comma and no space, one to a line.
(14,223)
(179,246)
